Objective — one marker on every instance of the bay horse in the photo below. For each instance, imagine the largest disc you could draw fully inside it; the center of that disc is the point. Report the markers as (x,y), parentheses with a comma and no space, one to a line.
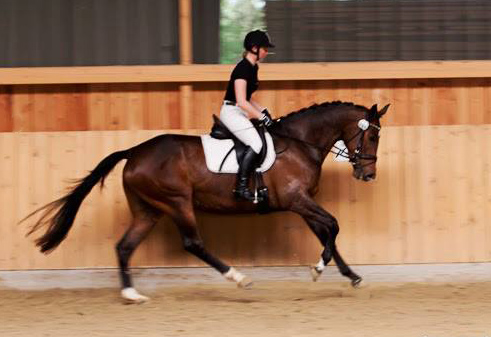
(167,175)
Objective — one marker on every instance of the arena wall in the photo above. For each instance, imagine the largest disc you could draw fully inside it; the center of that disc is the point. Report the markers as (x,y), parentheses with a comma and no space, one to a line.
(429,204)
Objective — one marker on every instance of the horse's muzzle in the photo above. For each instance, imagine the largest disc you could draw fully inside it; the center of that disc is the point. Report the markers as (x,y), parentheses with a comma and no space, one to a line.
(358,174)
(368,177)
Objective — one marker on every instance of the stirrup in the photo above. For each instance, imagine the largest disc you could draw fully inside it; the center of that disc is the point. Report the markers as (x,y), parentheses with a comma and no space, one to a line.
(244,195)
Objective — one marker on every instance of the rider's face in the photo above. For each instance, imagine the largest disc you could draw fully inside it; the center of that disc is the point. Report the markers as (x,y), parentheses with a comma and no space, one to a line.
(263,52)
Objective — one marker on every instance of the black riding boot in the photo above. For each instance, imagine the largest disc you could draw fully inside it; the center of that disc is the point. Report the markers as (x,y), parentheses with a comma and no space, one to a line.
(246,167)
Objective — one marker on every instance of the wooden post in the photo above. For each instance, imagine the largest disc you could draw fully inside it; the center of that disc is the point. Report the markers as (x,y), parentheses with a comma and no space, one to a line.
(186,56)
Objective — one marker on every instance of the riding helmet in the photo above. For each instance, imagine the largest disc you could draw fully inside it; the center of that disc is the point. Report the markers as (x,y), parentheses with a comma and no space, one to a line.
(257,38)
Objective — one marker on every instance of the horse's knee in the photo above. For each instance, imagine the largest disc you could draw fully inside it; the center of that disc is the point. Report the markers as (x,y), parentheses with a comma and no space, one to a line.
(192,245)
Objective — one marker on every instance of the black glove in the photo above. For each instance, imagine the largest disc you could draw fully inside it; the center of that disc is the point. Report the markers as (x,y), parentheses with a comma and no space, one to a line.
(266,118)
(266,112)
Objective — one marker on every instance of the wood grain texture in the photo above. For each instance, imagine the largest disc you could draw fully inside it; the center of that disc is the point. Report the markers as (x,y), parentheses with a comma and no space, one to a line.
(5,109)
(150,106)
(269,72)
(430,203)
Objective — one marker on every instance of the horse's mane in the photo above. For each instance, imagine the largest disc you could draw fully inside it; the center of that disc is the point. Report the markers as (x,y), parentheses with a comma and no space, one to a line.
(313,108)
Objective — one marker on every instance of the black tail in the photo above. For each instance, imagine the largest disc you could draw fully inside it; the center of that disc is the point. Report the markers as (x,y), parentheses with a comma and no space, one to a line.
(67,207)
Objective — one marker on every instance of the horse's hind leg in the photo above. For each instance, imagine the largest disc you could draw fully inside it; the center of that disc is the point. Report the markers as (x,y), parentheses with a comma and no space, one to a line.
(144,219)
(185,220)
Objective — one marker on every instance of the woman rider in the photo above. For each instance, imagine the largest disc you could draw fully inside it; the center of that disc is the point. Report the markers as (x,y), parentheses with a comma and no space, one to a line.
(238,108)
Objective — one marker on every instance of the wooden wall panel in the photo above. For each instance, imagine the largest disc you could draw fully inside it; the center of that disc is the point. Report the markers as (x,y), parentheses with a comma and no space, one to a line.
(161,107)
(5,109)
(153,106)
(413,102)
(194,73)
(430,203)
(133,106)
(208,99)
(49,108)
(89,107)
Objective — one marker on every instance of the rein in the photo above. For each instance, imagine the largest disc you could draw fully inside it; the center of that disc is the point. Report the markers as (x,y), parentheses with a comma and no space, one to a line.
(317,147)
(355,158)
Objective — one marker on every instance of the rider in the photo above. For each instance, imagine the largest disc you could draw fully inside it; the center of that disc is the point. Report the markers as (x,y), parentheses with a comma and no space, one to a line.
(238,108)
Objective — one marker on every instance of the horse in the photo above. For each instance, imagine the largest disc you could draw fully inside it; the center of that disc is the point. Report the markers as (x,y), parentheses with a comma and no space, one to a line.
(167,176)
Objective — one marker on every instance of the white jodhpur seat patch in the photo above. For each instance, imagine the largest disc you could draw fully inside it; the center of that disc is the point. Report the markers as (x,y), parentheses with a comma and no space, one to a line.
(216,150)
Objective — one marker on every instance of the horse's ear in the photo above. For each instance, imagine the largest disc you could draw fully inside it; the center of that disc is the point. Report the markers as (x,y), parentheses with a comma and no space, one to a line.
(373,112)
(383,111)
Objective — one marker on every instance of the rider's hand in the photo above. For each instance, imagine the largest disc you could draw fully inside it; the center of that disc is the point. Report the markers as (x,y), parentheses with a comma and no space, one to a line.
(266,112)
(266,118)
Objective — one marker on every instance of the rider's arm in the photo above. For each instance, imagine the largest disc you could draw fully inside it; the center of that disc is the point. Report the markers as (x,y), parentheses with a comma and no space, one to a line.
(240,86)
(256,105)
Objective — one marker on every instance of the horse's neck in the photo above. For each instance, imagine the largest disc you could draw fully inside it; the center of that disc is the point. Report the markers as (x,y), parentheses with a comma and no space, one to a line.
(317,132)
(323,127)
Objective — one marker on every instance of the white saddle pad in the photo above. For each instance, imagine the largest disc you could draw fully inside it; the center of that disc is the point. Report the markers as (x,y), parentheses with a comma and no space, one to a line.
(217,149)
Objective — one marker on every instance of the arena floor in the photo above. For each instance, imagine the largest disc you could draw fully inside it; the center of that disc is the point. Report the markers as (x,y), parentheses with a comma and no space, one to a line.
(293,307)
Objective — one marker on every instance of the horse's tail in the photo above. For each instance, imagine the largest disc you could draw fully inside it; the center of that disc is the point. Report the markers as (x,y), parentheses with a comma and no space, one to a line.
(66,207)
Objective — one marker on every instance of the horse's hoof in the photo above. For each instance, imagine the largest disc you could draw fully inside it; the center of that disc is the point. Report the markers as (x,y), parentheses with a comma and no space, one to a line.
(131,296)
(357,283)
(314,273)
(245,283)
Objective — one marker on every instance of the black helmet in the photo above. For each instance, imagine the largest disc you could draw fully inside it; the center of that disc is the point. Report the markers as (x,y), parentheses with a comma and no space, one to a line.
(257,38)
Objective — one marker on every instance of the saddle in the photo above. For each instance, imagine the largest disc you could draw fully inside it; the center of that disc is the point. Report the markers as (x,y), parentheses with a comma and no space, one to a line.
(220,131)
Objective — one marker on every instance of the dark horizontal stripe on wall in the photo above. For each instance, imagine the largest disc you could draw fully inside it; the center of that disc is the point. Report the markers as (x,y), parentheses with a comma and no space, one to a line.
(379,30)
(88,32)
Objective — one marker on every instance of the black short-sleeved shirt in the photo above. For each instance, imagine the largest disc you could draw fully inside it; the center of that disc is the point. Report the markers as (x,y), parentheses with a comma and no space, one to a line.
(245,70)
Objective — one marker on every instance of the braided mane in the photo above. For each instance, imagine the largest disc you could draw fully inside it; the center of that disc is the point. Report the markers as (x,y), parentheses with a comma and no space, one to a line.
(313,108)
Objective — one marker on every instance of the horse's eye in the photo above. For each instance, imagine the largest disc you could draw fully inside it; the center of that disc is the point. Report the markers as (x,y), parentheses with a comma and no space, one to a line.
(373,138)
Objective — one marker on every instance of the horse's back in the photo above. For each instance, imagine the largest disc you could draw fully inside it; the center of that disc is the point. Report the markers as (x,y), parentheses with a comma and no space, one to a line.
(162,160)
(162,146)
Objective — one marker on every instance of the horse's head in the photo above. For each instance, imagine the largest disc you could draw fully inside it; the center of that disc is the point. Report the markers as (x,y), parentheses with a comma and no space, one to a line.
(361,137)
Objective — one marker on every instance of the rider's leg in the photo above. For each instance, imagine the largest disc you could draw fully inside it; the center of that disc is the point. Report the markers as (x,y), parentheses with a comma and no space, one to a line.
(246,167)
(237,122)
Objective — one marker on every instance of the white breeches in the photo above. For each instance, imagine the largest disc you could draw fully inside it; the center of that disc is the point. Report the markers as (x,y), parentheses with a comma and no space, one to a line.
(235,119)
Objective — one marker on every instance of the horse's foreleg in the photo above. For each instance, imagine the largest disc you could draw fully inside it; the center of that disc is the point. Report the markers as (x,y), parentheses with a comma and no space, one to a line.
(193,243)
(323,228)
(345,270)
(326,228)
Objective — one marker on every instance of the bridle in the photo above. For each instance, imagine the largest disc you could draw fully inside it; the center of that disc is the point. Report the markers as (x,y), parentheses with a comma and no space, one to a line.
(354,158)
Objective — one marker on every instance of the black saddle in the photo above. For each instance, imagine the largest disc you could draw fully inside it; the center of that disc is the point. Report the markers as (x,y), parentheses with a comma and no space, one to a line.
(220,131)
